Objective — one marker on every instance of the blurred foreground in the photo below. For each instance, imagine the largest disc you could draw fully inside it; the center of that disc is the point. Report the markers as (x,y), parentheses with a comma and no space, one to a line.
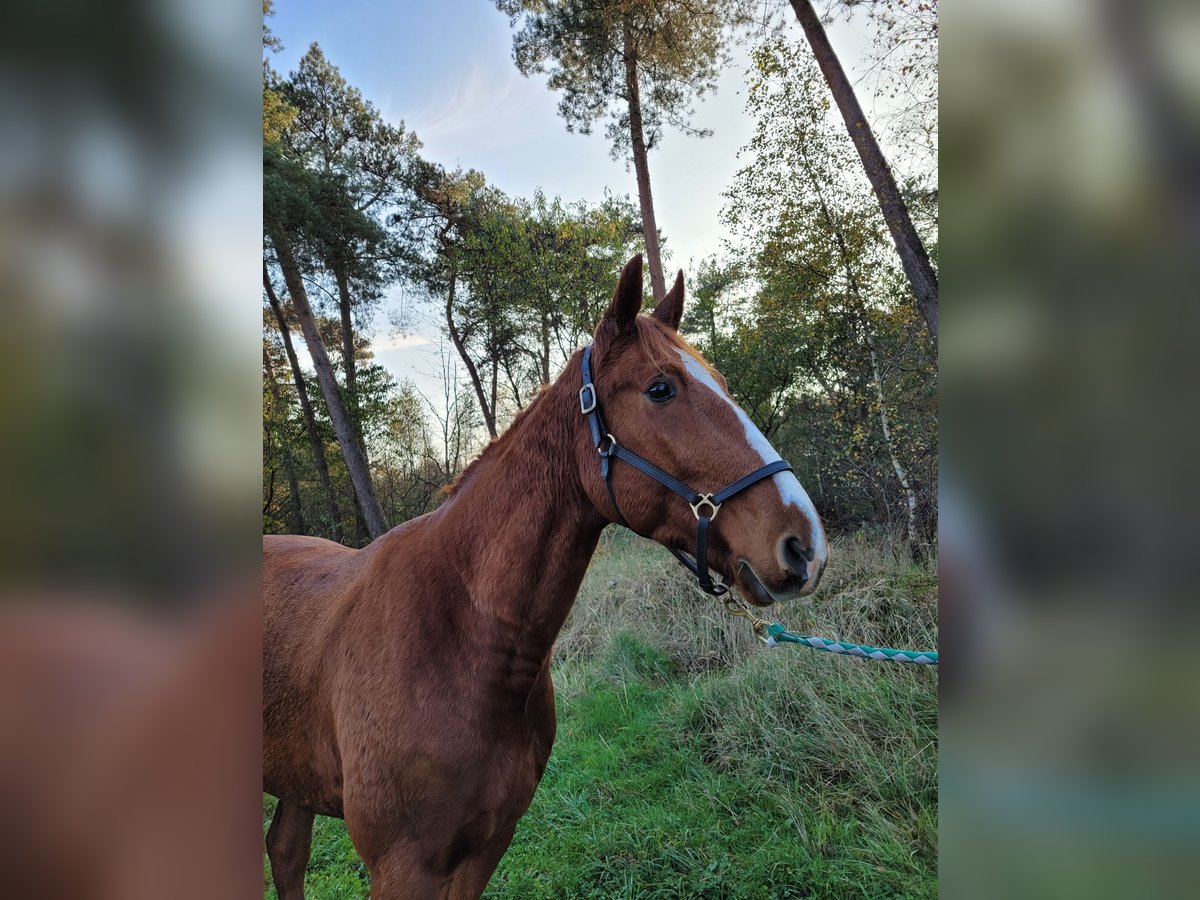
(1071,217)
(129,449)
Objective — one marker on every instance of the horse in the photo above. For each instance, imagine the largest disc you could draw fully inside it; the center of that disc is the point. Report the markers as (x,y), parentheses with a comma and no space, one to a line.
(406,685)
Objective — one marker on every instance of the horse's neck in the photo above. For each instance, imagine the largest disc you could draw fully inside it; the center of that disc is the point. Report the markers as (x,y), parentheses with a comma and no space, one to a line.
(522,532)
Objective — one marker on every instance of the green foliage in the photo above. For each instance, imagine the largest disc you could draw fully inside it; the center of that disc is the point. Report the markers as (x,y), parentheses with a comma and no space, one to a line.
(808,315)
(363,169)
(537,275)
(773,773)
(521,281)
(582,47)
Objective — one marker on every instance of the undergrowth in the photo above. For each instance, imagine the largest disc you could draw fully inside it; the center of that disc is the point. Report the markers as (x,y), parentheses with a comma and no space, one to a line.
(693,762)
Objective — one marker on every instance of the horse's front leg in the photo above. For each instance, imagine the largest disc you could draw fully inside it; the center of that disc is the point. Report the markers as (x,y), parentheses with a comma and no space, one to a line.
(289,843)
(397,874)
(404,863)
(473,875)
(445,864)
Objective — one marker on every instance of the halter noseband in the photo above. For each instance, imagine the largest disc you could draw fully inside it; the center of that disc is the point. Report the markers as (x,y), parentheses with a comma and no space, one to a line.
(704,506)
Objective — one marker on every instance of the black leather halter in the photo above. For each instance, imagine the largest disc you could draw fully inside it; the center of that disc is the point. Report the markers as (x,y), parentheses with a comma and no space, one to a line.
(704,506)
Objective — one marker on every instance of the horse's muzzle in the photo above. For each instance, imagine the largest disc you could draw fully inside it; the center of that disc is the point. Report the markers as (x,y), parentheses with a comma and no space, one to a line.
(763,595)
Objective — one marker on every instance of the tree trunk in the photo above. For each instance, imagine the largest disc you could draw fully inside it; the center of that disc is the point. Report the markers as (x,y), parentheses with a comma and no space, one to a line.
(908,243)
(269,499)
(348,347)
(852,285)
(362,534)
(637,141)
(910,496)
(296,518)
(360,475)
(495,381)
(489,414)
(512,383)
(362,530)
(310,420)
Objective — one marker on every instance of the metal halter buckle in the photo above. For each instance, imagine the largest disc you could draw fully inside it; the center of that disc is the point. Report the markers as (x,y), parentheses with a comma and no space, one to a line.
(705,500)
(586,405)
(607,451)
(736,607)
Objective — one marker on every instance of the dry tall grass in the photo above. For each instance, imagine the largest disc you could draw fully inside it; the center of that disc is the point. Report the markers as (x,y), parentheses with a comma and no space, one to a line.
(870,594)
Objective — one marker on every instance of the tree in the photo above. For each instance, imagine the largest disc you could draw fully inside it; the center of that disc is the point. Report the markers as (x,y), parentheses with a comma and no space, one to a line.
(446,208)
(364,163)
(455,420)
(909,246)
(902,64)
(316,445)
(289,214)
(575,252)
(537,274)
(518,282)
(333,171)
(640,64)
(269,40)
(275,419)
(821,281)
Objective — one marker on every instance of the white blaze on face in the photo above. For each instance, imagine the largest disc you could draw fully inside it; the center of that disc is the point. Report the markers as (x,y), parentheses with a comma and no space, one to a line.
(790,490)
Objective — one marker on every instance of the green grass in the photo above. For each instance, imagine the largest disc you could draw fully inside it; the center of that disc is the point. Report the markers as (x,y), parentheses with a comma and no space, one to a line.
(693,762)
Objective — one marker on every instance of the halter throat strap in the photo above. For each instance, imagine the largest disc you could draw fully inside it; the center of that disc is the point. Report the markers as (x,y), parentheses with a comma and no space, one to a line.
(704,506)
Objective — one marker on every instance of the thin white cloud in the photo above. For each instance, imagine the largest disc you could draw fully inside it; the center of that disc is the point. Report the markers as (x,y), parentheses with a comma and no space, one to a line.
(401,342)
(481,105)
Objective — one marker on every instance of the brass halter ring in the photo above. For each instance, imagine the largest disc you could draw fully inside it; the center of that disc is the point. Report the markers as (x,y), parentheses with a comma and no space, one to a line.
(705,500)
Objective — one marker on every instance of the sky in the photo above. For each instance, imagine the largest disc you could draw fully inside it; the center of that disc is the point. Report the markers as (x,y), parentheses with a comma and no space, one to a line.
(445,69)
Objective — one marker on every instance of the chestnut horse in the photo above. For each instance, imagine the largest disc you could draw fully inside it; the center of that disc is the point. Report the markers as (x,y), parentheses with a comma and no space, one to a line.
(406,685)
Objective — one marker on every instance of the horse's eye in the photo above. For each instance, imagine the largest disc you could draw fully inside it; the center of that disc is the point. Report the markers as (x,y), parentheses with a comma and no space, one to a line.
(660,392)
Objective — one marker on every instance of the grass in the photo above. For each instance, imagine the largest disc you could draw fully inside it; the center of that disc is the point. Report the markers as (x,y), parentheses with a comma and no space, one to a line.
(692,762)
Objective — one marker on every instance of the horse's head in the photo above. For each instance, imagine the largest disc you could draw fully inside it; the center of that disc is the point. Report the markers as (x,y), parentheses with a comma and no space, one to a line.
(664,403)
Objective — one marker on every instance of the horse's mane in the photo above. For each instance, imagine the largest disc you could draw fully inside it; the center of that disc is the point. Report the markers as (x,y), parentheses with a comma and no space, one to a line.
(495,445)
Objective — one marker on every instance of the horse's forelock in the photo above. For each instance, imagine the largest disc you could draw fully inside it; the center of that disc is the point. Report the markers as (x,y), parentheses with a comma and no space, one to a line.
(657,343)
(662,345)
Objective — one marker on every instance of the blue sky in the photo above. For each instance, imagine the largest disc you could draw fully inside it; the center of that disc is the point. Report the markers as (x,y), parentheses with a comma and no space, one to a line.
(445,68)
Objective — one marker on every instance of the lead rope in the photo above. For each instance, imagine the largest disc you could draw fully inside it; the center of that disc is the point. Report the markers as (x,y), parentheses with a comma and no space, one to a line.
(772,634)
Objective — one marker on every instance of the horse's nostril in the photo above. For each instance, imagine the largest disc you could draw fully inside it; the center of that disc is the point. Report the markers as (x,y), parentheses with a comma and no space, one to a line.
(806,552)
(796,557)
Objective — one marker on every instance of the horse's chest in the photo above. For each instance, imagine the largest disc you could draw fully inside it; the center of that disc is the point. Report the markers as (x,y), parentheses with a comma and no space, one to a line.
(510,774)
(506,753)
(498,758)
(440,745)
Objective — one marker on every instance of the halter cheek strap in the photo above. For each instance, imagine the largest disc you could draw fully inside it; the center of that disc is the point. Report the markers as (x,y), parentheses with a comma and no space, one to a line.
(704,506)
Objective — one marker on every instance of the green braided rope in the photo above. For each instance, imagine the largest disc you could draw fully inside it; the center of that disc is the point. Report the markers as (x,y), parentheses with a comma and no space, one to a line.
(776,633)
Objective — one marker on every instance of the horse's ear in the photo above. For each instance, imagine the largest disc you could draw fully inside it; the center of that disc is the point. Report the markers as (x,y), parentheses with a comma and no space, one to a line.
(627,299)
(670,310)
